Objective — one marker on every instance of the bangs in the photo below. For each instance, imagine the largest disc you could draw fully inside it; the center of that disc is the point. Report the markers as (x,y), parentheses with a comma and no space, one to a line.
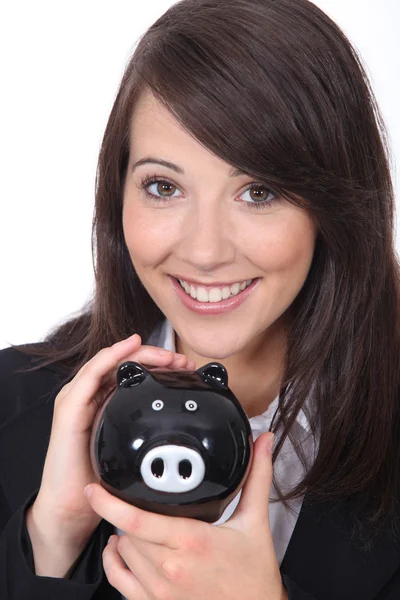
(269,108)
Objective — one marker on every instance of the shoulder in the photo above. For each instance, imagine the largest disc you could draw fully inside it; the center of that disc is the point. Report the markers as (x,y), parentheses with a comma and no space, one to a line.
(19,357)
(21,389)
(12,358)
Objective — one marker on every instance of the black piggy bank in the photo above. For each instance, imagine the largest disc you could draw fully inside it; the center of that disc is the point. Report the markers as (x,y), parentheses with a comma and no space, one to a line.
(173,442)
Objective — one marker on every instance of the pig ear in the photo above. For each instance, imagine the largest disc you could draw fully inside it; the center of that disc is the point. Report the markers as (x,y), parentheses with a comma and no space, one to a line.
(215,371)
(131,372)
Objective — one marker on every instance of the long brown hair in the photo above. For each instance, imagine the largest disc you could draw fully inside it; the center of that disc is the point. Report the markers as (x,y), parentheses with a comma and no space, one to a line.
(275,88)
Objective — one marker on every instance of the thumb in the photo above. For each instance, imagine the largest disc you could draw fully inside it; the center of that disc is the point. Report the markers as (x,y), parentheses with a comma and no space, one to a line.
(254,500)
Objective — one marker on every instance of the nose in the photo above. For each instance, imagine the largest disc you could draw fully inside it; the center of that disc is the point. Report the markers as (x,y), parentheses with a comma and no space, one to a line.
(172,468)
(208,236)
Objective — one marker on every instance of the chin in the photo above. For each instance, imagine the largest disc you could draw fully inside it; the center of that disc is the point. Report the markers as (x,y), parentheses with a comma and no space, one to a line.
(216,351)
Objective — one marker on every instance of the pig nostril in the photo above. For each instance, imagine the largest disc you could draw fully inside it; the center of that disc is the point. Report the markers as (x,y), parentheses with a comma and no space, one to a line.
(185,469)
(157,467)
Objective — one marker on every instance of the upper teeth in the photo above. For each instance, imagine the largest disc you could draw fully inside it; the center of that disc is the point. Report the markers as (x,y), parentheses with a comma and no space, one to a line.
(215,294)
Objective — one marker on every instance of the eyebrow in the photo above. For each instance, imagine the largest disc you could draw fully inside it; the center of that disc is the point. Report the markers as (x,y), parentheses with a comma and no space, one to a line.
(173,167)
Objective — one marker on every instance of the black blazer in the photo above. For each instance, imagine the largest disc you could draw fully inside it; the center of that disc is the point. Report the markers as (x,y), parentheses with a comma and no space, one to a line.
(322,562)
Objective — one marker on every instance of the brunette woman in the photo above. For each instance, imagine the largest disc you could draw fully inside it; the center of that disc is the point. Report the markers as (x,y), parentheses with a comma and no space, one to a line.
(244,213)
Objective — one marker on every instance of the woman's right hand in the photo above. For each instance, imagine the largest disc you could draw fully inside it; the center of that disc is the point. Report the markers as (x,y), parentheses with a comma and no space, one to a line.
(61,521)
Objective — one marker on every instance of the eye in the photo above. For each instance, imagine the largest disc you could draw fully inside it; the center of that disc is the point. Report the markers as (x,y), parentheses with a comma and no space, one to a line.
(263,196)
(191,405)
(162,189)
(260,195)
(157,405)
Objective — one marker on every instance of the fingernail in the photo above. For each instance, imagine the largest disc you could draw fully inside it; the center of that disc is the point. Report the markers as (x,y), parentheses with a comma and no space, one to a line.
(129,339)
(88,491)
(270,442)
(164,352)
(110,539)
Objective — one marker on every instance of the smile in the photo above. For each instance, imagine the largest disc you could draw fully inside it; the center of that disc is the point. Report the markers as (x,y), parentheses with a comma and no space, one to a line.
(215,294)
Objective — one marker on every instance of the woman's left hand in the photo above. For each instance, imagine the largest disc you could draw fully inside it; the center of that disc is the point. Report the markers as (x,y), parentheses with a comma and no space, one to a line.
(174,558)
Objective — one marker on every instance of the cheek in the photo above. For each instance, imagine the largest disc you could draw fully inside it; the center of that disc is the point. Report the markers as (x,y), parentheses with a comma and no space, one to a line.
(147,238)
(285,255)
(287,247)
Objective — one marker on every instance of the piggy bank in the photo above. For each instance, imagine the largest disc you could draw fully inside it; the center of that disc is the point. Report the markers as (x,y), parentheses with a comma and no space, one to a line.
(172,442)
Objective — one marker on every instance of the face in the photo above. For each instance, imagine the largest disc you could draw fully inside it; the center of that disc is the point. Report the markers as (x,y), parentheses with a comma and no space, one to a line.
(202,225)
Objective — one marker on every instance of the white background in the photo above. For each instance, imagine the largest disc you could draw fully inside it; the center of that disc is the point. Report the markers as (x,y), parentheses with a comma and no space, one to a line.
(60,64)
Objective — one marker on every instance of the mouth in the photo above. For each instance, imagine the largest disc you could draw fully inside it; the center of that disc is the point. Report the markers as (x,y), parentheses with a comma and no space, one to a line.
(213,294)
(213,302)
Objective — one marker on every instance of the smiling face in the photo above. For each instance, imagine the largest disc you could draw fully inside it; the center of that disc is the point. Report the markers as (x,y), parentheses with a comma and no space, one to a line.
(202,225)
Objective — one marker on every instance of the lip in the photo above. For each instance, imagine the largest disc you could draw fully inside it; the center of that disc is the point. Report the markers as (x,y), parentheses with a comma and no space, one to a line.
(213,308)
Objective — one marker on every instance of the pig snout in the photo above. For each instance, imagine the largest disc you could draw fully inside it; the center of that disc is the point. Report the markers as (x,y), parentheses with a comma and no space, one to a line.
(171,468)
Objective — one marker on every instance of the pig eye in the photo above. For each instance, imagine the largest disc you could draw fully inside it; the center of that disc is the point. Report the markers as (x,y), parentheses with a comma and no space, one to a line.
(191,405)
(157,405)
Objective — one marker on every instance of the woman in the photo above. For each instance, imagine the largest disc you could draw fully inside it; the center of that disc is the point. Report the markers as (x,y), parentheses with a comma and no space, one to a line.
(244,213)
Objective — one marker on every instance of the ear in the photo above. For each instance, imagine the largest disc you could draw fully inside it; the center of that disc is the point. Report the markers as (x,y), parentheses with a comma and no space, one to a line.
(130,374)
(214,371)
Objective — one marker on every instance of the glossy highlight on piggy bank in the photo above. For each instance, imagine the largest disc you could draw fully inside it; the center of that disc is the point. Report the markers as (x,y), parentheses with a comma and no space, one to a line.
(173,442)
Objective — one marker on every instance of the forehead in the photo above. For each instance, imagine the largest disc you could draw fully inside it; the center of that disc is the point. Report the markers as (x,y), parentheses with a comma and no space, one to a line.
(150,118)
(155,132)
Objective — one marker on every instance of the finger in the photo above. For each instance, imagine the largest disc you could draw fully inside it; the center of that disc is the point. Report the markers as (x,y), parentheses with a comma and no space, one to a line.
(144,569)
(76,405)
(90,377)
(100,371)
(122,347)
(179,360)
(118,575)
(253,506)
(149,357)
(145,355)
(147,526)
(156,554)
(152,356)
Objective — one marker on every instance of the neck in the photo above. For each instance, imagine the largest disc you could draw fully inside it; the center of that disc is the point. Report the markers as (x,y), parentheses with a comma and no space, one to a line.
(256,372)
